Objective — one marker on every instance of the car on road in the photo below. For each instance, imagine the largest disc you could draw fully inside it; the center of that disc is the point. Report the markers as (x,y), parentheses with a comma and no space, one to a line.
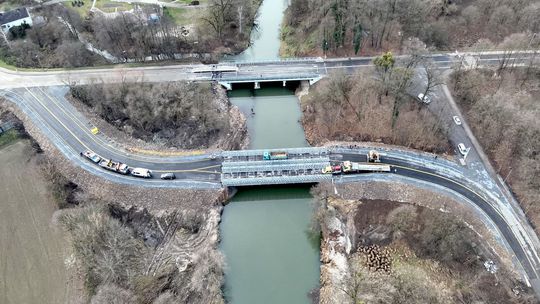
(168,176)
(91,156)
(141,172)
(457,120)
(462,149)
(424,98)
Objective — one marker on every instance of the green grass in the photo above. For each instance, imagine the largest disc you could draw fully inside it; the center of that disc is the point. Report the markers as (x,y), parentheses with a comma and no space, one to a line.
(83,10)
(110,7)
(8,137)
(179,15)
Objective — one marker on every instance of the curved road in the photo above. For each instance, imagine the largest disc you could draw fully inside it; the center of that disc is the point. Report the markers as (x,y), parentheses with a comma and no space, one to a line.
(71,133)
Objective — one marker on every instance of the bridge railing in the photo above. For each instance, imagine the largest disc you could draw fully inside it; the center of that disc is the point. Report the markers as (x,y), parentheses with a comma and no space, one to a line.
(315,150)
(254,181)
(278,77)
(274,167)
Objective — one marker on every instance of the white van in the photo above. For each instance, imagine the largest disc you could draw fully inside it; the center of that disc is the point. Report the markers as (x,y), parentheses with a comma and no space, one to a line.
(141,172)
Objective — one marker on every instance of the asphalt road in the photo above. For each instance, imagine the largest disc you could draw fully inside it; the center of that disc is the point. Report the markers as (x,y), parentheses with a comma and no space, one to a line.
(70,131)
(62,120)
(430,175)
(275,69)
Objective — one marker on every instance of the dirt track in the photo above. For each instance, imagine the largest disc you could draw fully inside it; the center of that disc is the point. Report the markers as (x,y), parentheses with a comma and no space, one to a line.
(32,268)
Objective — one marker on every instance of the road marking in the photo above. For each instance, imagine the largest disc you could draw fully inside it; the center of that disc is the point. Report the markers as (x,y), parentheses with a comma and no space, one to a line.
(82,143)
(527,256)
(102,143)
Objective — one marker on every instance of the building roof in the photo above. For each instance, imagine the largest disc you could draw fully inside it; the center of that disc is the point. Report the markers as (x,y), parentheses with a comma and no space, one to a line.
(13,15)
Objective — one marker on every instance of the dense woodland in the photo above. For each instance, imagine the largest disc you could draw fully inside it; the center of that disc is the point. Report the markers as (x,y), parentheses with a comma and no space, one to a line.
(179,114)
(346,27)
(503,110)
(59,39)
(374,105)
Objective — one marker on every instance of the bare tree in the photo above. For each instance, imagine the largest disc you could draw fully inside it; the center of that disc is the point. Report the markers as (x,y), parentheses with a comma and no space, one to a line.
(218,14)
(433,78)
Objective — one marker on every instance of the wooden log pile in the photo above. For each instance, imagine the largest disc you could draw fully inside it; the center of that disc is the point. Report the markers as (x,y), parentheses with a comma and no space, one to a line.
(377,258)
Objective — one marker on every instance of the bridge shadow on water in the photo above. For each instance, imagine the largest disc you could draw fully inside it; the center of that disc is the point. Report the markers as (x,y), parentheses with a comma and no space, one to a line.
(273,192)
(289,86)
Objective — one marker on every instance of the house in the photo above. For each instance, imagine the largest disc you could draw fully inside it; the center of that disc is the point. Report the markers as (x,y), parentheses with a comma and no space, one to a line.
(14,17)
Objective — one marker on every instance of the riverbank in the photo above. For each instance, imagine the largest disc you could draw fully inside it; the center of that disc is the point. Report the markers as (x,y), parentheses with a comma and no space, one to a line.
(389,242)
(343,108)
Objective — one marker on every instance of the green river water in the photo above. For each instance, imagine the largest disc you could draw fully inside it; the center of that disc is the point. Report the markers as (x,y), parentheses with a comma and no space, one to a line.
(265,230)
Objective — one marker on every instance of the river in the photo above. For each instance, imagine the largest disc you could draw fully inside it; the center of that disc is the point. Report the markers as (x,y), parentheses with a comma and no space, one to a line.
(270,255)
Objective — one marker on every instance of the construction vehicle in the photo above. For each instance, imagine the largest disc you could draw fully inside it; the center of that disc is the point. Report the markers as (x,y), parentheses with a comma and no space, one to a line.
(352,167)
(374,156)
(114,166)
(336,169)
(275,155)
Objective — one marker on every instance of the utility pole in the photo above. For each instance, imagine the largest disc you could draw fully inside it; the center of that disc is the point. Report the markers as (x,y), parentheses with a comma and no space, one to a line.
(240,16)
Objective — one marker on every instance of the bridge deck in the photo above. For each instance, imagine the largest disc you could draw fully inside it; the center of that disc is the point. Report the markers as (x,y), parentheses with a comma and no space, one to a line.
(247,168)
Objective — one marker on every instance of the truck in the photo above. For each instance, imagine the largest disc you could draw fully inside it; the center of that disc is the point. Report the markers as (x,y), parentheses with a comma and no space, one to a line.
(275,155)
(374,156)
(114,166)
(335,169)
(353,167)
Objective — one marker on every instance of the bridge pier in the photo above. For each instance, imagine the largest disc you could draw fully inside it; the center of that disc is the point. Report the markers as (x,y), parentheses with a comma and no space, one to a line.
(226,85)
(284,83)
(257,85)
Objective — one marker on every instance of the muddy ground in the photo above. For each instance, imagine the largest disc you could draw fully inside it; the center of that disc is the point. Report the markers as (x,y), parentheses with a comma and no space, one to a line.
(33,252)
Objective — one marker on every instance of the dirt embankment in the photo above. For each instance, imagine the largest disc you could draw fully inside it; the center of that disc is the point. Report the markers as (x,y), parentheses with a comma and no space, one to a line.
(393,243)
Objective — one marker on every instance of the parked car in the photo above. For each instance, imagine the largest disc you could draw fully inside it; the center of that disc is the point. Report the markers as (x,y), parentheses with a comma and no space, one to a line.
(141,172)
(462,149)
(424,98)
(168,176)
(91,156)
(457,120)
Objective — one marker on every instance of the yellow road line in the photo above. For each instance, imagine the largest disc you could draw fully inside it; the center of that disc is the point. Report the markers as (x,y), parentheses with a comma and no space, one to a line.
(82,143)
(75,136)
(102,143)
(452,181)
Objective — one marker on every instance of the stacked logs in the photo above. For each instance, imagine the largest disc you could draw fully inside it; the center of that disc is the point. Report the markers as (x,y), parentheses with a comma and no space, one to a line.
(377,259)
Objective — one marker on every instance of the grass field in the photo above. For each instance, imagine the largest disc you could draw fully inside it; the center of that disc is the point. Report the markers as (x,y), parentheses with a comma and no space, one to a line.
(111,7)
(82,10)
(8,137)
(32,268)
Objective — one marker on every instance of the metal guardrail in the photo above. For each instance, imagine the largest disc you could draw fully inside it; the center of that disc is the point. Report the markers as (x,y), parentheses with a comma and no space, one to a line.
(273,168)
(290,161)
(254,181)
(316,150)
(254,78)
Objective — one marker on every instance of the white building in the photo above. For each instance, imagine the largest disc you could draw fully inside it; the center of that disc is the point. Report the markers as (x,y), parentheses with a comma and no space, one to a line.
(15,17)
